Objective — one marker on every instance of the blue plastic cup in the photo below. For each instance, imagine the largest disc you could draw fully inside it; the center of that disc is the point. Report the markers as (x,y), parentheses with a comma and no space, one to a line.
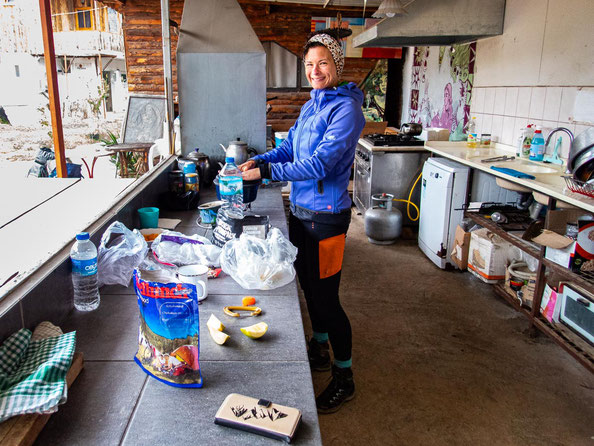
(149,217)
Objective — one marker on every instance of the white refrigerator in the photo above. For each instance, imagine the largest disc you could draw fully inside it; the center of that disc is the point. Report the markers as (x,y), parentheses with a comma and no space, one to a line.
(443,196)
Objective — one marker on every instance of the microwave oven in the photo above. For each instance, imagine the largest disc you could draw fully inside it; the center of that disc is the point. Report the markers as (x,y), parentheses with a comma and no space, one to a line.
(577,310)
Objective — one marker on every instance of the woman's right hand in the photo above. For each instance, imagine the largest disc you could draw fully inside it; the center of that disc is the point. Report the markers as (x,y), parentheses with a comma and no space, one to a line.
(248,165)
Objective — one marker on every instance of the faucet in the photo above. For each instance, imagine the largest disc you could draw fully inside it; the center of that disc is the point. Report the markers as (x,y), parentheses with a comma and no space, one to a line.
(555,130)
(559,129)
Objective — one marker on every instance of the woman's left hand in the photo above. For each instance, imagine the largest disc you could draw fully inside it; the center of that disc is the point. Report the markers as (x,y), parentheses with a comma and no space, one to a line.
(252,174)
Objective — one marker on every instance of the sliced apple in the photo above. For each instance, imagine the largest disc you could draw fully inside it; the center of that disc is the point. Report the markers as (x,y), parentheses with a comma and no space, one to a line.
(255,331)
(215,323)
(218,336)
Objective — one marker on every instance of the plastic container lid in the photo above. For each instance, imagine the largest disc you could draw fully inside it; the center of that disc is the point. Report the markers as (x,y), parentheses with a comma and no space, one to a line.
(82,236)
(229,159)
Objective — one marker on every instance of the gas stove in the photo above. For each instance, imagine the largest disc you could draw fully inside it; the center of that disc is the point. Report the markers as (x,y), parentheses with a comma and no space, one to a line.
(387,140)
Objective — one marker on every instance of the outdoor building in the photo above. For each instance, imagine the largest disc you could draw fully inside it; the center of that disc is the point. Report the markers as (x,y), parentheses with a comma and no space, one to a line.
(89,48)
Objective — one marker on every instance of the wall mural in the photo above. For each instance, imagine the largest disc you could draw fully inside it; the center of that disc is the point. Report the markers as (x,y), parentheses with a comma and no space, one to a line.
(374,88)
(441,86)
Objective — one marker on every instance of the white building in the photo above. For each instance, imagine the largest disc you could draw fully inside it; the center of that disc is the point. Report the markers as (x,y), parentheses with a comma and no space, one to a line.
(89,46)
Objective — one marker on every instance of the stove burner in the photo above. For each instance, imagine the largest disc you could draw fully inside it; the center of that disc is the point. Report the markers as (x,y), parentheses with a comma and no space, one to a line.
(378,139)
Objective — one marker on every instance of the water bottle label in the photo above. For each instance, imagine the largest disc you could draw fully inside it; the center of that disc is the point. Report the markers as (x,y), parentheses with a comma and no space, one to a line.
(85,267)
(230,185)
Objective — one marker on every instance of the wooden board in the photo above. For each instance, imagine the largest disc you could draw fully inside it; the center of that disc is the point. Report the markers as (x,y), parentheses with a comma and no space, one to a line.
(23,430)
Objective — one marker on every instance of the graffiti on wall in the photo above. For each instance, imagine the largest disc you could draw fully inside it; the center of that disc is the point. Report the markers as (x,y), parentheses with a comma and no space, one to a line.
(441,86)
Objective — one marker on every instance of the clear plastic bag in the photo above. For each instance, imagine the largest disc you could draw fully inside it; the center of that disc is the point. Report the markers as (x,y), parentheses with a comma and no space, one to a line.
(180,249)
(120,251)
(260,264)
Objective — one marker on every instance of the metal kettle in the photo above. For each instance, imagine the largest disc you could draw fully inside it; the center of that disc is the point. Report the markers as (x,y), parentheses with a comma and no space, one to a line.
(203,166)
(239,151)
(411,129)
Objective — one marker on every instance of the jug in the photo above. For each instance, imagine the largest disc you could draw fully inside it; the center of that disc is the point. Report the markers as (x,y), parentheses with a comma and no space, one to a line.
(203,167)
(239,151)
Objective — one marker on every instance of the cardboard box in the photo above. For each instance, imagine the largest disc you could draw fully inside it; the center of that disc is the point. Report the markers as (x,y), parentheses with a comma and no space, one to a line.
(488,255)
(459,254)
(550,305)
(563,257)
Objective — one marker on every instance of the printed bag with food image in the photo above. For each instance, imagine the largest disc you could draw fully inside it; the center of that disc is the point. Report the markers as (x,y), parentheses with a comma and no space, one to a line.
(168,336)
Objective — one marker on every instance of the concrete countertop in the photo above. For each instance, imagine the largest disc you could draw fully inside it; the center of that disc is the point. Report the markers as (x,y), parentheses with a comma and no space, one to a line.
(114,402)
(548,177)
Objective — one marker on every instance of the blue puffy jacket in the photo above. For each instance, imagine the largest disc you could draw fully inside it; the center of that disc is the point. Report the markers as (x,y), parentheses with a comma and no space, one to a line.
(319,151)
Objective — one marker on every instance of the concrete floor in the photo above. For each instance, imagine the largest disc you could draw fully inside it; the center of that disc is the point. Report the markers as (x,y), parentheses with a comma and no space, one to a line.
(439,359)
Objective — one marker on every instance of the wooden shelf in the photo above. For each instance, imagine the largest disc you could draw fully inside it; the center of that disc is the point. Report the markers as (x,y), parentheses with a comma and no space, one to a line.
(563,336)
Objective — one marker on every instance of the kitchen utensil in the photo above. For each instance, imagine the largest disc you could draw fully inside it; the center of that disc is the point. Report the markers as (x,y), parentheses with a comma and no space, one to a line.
(498,158)
(411,129)
(239,151)
(582,142)
(203,166)
(196,275)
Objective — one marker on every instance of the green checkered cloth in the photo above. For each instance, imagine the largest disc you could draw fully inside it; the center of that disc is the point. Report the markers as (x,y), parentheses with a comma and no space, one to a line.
(33,373)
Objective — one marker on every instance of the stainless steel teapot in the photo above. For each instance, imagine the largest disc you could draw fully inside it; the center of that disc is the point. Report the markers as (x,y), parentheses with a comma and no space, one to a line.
(239,151)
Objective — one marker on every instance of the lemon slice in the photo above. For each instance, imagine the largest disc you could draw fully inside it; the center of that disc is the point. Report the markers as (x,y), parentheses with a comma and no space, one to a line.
(218,336)
(215,323)
(255,331)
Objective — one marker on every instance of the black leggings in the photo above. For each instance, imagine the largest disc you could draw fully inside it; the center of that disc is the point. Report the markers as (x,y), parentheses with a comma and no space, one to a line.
(319,264)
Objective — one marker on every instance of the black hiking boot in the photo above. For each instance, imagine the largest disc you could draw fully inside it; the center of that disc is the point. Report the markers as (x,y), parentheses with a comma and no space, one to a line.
(340,390)
(319,356)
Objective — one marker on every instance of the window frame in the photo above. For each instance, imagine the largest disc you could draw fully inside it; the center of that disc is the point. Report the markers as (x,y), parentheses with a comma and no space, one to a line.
(87,6)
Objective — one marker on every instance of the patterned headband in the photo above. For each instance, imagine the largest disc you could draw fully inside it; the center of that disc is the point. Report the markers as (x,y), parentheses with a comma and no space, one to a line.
(334,48)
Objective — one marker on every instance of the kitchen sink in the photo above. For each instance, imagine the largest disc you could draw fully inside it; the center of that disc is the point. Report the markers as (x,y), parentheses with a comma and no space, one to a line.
(527,167)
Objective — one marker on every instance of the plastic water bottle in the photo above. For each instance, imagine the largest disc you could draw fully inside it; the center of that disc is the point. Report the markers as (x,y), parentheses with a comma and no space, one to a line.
(537,147)
(231,189)
(472,136)
(84,273)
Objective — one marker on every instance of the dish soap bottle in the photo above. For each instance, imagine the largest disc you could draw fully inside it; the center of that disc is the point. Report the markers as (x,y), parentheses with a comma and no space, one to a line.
(471,139)
(537,147)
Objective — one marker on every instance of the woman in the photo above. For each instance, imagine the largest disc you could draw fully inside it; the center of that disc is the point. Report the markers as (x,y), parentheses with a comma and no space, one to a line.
(317,157)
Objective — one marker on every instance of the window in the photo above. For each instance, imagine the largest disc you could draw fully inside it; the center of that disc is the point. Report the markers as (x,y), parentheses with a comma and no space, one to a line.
(283,69)
(84,14)
(17,71)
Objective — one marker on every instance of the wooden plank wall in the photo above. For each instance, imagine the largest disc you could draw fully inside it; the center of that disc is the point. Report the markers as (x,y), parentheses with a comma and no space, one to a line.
(286,24)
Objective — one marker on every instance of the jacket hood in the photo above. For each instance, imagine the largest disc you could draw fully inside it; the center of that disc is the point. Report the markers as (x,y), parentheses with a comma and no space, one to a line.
(350,89)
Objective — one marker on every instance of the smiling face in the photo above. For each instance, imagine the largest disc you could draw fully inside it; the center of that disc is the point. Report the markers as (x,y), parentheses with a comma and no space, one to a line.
(320,68)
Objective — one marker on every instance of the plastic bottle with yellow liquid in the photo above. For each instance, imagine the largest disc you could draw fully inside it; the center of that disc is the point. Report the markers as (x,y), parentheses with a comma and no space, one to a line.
(472,136)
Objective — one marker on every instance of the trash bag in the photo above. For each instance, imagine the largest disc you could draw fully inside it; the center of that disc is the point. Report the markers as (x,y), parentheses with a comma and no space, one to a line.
(72,171)
(180,249)
(120,251)
(260,264)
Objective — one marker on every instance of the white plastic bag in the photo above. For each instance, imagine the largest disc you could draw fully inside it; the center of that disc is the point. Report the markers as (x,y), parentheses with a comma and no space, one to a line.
(260,264)
(180,249)
(120,251)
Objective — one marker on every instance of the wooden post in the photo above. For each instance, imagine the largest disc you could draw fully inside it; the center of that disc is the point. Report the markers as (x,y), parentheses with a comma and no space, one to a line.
(52,86)
(166,35)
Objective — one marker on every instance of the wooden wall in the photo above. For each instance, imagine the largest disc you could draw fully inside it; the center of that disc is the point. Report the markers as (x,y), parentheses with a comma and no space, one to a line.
(66,21)
(286,24)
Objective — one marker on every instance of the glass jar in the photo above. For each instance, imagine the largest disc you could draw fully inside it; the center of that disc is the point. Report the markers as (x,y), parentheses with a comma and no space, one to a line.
(486,140)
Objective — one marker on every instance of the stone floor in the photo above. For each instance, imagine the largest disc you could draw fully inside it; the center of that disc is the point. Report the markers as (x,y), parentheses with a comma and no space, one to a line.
(439,359)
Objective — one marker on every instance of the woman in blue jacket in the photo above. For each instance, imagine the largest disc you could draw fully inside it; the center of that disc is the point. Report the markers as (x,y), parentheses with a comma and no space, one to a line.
(317,157)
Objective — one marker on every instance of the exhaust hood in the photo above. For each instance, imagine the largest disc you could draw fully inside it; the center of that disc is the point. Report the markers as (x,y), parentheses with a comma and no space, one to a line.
(437,22)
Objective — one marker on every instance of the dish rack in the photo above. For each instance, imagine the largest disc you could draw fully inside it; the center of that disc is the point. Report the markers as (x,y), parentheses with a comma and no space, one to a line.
(580,187)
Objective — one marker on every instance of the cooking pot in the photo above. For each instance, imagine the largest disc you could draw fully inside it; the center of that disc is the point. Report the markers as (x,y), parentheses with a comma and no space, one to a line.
(203,166)
(584,142)
(583,165)
(411,129)
(250,189)
(239,151)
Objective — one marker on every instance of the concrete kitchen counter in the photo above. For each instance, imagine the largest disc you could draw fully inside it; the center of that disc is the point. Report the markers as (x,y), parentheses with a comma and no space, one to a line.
(548,179)
(114,402)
